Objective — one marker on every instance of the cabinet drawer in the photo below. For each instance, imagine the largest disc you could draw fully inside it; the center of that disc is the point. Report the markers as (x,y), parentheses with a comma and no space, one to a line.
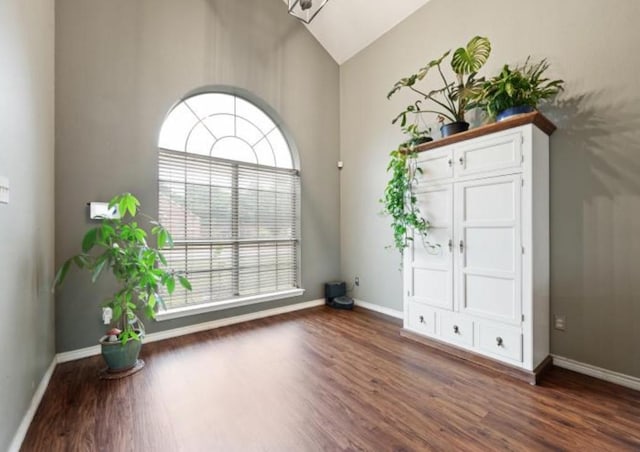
(496,153)
(421,318)
(500,340)
(456,329)
(436,166)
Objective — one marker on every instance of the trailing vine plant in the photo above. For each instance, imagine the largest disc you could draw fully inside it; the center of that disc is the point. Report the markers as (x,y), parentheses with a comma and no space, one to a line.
(399,201)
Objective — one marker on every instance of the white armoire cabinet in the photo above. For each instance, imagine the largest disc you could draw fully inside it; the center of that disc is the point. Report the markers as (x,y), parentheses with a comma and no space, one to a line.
(478,287)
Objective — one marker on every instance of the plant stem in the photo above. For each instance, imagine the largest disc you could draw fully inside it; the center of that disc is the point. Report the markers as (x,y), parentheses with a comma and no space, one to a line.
(437,113)
(448,90)
(425,95)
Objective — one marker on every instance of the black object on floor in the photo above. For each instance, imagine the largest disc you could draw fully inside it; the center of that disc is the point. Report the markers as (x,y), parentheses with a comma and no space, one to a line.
(336,295)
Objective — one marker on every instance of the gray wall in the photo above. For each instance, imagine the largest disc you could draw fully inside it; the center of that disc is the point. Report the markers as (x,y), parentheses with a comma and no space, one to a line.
(595,160)
(26,224)
(120,66)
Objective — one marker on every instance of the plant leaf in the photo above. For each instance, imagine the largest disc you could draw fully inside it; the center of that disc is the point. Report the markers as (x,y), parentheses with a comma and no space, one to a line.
(162,238)
(171,285)
(184,282)
(62,274)
(98,269)
(150,312)
(471,58)
(89,240)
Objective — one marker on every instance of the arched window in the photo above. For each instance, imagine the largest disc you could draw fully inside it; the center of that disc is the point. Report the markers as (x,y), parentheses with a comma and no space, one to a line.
(229,193)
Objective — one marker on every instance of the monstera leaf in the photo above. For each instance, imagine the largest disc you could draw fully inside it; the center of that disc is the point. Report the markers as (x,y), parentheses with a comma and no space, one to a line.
(469,59)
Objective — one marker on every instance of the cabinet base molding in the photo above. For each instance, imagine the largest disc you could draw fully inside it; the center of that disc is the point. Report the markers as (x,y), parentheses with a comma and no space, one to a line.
(531,377)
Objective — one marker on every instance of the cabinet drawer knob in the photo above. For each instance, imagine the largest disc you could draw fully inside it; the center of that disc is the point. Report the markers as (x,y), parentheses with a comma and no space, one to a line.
(456,329)
(422,319)
(499,341)
(450,162)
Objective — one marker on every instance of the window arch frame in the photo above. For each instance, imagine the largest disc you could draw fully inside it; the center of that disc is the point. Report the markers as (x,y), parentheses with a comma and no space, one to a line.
(279,123)
(247,96)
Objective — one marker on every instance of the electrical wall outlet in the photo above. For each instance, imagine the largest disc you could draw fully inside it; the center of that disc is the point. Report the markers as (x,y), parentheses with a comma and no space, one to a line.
(560,322)
(107,315)
(357,281)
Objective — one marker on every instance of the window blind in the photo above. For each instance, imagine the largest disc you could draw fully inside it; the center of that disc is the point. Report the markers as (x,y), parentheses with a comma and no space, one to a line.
(234,225)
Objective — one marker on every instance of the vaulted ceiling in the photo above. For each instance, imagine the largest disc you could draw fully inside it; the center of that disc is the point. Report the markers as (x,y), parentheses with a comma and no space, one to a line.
(345,27)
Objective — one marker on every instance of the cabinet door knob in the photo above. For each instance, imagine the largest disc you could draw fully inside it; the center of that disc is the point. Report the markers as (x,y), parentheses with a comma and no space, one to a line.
(450,162)
(422,319)
(499,341)
(450,245)
(456,330)
(462,246)
(461,160)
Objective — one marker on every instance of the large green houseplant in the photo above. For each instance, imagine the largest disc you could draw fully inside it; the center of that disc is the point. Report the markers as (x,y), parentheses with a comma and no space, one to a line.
(451,101)
(517,90)
(120,245)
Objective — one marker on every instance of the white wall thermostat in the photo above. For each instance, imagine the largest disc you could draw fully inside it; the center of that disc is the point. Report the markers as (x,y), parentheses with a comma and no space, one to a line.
(101,210)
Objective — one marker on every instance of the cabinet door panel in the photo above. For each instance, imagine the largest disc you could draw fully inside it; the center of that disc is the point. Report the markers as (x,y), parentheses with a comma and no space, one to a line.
(489,261)
(490,295)
(495,153)
(493,248)
(436,166)
(431,259)
(490,201)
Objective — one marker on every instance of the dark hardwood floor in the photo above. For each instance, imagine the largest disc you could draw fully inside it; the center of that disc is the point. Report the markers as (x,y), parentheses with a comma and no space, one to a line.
(323,380)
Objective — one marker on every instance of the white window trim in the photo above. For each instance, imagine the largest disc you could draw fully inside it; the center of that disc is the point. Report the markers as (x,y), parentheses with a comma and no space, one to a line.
(222,305)
(296,291)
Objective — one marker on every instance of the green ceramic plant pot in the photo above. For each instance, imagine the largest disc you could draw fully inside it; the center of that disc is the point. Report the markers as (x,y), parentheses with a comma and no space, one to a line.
(120,357)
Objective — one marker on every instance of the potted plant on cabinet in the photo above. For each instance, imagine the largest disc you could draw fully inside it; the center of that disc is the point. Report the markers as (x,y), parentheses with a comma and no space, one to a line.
(416,136)
(120,245)
(517,90)
(453,99)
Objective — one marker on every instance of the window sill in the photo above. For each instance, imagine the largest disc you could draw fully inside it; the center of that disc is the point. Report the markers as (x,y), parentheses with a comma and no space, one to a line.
(236,302)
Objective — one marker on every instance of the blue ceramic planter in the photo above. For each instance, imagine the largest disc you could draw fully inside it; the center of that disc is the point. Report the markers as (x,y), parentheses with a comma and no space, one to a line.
(120,357)
(504,114)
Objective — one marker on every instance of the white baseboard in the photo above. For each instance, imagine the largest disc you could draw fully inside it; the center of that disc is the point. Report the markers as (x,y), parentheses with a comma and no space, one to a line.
(81,353)
(18,438)
(597,372)
(381,309)
(176,332)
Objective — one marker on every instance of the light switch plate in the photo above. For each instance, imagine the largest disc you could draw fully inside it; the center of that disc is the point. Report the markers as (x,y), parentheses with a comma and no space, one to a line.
(4,190)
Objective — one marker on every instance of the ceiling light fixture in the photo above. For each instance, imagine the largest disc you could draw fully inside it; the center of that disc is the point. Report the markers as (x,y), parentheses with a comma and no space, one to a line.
(306,10)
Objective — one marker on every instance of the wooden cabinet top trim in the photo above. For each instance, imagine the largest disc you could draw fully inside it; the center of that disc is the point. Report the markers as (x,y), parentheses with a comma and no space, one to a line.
(536,118)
